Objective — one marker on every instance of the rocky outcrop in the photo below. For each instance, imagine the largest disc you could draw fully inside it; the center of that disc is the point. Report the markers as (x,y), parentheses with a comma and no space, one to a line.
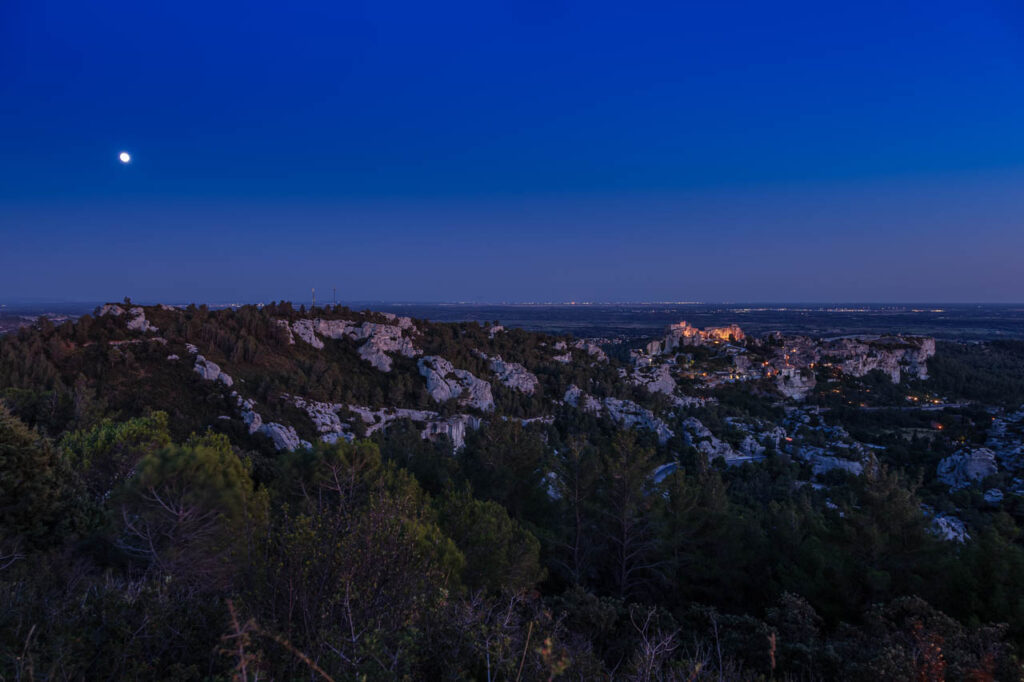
(402,322)
(304,330)
(250,417)
(454,427)
(894,355)
(629,414)
(993,496)
(966,467)
(379,340)
(623,412)
(283,324)
(284,437)
(656,379)
(794,358)
(445,382)
(513,375)
(323,415)
(252,420)
(138,321)
(210,371)
(947,527)
(751,449)
(377,346)
(795,383)
(136,317)
(326,419)
(699,436)
(575,396)
(592,349)
(848,457)
(564,358)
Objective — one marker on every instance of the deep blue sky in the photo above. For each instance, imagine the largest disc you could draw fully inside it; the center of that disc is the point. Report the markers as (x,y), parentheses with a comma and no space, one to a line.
(513,151)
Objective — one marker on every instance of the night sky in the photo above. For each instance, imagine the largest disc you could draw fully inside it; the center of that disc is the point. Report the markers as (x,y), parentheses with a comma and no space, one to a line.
(512,151)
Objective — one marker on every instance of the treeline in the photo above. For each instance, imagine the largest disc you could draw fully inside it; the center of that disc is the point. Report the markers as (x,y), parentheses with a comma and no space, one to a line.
(126,555)
(990,372)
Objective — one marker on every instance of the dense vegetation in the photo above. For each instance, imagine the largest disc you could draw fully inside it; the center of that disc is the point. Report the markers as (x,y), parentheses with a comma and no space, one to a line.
(141,537)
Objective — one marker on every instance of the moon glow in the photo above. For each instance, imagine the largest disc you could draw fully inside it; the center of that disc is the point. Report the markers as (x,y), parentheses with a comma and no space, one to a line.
(125,157)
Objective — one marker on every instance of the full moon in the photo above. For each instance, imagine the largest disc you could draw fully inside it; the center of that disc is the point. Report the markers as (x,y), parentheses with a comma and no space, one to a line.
(125,157)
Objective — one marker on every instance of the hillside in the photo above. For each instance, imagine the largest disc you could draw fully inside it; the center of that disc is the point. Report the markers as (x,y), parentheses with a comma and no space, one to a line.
(340,493)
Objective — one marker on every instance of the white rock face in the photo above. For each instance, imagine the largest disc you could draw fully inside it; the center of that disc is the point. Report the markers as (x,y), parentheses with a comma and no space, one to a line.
(893,355)
(624,412)
(304,330)
(250,417)
(965,467)
(575,396)
(252,420)
(950,528)
(211,371)
(592,349)
(377,346)
(192,349)
(284,437)
(699,436)
(137,317)
(657,379)
(993,495)
(794,383)
(323,415)
(495,329)
(379,339)
(628,413)
(712,447)
(565,358)
(172,357)
(454,427)
(283,324)
(514,375)
(138,321)
(444,382)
